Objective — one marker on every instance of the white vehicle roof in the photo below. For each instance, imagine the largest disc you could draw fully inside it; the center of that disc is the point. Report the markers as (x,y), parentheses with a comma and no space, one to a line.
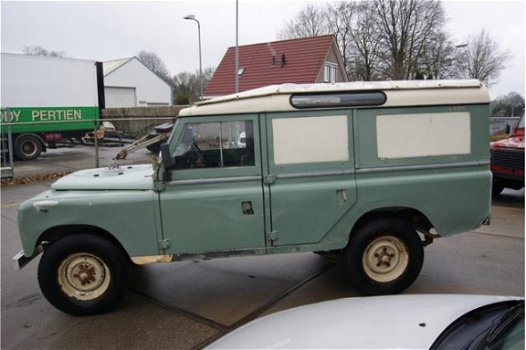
(385,322)
(398,93)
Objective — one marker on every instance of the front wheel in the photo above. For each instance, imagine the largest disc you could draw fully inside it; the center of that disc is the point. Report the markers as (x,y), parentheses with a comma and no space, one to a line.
(384,256)
(83,274)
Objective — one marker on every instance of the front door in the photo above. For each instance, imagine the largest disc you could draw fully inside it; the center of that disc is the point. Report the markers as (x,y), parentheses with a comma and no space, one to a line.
(310,176)
(214,200)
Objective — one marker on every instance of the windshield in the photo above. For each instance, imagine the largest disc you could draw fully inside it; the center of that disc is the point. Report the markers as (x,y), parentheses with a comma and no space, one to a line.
(169,141)
(495,326)
(511,338)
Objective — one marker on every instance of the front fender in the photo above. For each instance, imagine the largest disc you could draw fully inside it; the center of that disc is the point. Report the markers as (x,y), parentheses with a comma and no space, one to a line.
(130,216)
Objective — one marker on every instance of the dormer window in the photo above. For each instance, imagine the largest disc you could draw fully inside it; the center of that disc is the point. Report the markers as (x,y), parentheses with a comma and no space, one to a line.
(329,72)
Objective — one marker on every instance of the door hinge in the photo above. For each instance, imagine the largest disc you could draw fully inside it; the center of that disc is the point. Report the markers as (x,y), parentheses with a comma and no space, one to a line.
(269,179)
(164,244)
(159,186)
(273,236)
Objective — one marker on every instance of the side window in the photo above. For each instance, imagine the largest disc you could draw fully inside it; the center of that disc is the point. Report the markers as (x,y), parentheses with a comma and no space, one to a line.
(310,140)
(423,135)
(215,145)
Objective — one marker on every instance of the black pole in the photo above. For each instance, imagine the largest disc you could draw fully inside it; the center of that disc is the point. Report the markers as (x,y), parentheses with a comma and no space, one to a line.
(102,105)
(100,87)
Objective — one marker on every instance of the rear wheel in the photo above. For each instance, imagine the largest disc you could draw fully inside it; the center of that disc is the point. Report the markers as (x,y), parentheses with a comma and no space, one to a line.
(384,256)
(28,147)
(83,274)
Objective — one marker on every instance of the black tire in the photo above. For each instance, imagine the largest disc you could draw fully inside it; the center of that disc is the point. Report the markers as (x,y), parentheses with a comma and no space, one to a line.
(28,147)
(83,274)
(384,256)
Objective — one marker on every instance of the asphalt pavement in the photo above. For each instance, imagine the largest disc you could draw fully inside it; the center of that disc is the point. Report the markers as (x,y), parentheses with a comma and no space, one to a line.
(69,159)
(186,305)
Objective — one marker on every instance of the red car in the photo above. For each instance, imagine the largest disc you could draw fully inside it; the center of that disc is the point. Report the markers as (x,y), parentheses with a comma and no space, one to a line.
(507,160)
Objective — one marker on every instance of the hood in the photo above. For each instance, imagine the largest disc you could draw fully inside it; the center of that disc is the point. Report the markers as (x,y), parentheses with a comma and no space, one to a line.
(511,142)
(129,177)
(385,322)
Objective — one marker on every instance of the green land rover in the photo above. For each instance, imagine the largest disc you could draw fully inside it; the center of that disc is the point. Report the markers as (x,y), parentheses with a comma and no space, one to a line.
(372,172)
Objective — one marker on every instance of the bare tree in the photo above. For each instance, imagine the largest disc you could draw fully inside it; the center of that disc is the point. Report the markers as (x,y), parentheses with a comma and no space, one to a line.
(155,64)
(438,59)
(398,40)
(187,87)
(311,21)
(509,105)
(482,58)
(339,21)
(381,39)
(405,28)
(365,44)
(40,51)
(185,91)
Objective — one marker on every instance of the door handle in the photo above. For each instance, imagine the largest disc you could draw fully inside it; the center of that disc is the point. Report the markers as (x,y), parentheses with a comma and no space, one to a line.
(341,196)
(246,208)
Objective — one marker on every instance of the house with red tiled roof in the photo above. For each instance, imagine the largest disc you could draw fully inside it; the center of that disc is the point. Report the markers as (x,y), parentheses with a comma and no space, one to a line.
(301,61)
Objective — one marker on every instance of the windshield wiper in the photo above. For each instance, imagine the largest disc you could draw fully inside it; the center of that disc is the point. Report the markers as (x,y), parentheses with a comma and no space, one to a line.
(500,325)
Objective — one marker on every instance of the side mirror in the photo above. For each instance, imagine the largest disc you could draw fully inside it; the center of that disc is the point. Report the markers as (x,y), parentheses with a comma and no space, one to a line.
(168,160)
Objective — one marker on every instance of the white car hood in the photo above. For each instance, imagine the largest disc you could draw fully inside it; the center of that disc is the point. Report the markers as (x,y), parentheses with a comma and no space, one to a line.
(126,177)
(385,322)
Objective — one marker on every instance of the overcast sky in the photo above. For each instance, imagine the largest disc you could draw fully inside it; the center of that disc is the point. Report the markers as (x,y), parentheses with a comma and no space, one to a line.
(101,30)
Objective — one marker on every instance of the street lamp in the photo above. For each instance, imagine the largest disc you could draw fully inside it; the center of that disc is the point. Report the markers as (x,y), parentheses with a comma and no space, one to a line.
(192,18)
(459,61)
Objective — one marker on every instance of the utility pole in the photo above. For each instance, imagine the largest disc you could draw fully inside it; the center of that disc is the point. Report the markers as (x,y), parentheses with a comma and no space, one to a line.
(237,49)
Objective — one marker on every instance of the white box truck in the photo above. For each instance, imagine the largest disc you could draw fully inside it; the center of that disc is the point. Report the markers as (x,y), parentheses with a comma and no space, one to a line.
(47,99)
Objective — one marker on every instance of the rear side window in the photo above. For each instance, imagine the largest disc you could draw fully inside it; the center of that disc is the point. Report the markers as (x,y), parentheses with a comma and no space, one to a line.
(342,99)
(423,135)
(310,140)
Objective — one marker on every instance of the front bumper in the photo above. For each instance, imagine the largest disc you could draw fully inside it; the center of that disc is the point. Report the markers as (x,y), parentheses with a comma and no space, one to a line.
(21,260)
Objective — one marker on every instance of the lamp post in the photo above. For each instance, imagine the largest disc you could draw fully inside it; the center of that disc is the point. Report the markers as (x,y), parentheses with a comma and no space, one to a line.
(459,60)
(192,18)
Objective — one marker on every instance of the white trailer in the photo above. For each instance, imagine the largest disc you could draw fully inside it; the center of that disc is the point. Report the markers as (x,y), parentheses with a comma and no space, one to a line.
(47,99)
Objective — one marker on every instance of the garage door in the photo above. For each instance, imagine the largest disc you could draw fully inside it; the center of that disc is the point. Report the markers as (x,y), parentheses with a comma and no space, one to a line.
(120,97)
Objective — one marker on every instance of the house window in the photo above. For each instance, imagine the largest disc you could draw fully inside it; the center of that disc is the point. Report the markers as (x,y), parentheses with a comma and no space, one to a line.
(329,72)
(240,71)
(333,74)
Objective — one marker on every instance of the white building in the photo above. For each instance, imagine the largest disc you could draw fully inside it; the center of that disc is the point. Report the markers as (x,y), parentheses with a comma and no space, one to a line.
(129,83)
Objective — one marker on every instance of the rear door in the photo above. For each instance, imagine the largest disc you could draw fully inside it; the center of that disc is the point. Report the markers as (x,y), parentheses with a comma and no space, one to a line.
(310,174)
